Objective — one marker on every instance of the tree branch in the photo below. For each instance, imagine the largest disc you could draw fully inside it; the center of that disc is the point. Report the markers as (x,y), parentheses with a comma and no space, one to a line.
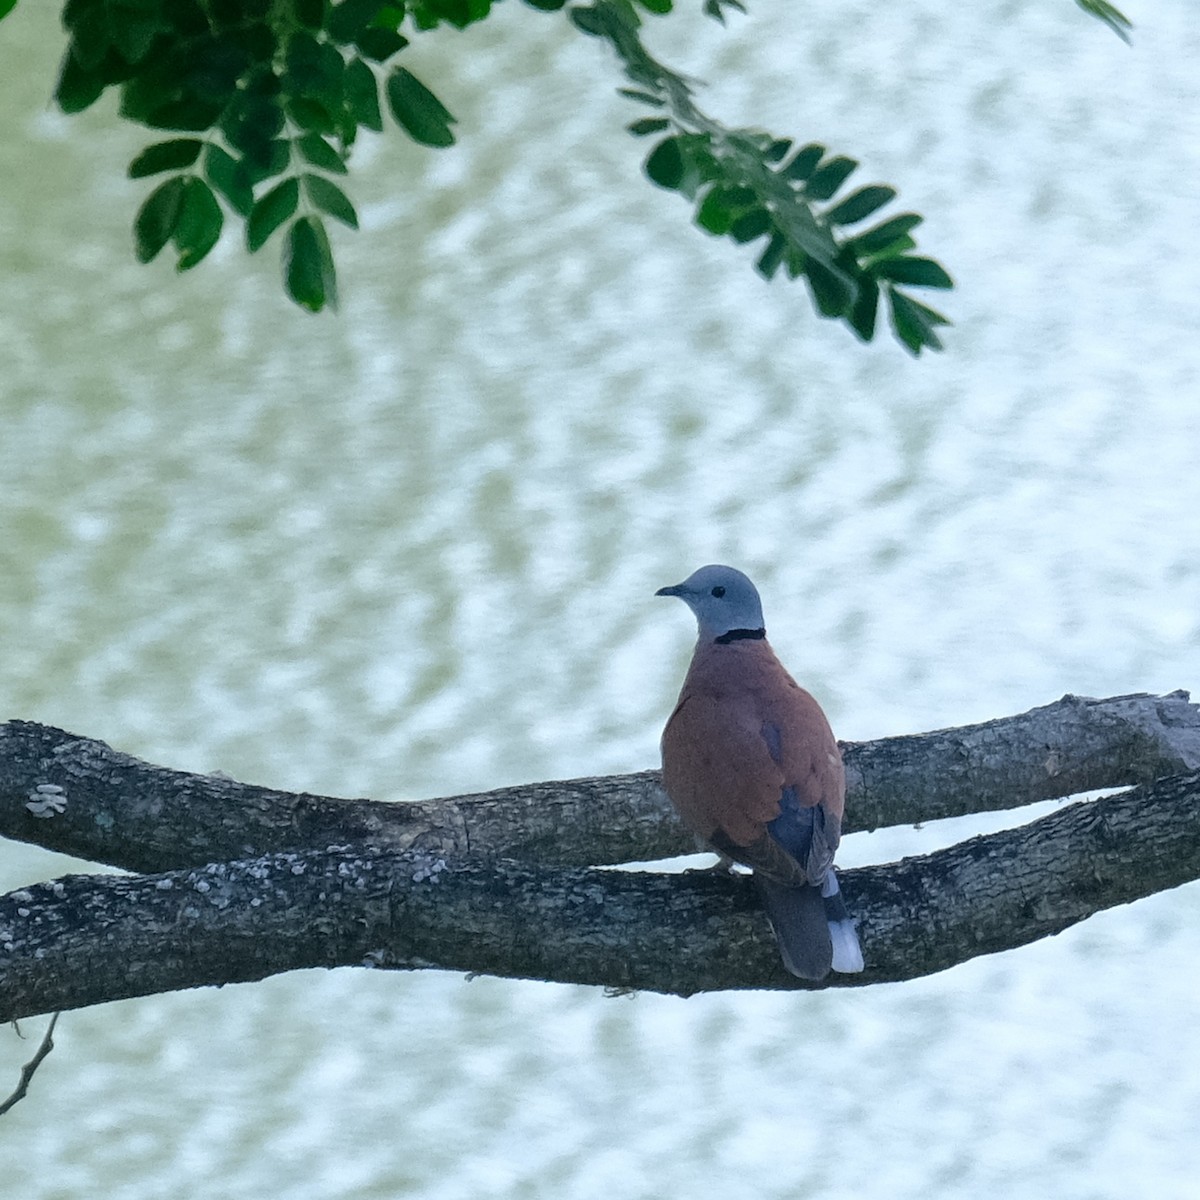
(86,939)
(27,1071)
(119,810)
(305,881)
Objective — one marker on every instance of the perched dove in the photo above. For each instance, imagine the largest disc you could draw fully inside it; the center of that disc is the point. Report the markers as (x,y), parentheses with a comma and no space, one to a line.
(753,768)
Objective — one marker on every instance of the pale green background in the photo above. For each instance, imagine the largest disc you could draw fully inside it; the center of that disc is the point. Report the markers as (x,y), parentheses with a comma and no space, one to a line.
(411,551)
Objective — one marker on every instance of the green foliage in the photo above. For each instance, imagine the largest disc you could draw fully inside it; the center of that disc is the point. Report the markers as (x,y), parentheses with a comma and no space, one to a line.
(308,265)
(329,198)
(156,219)
(231,177)
(199,222)
(1112,16)
(183,210)
(423,116)
(750,186)
(267,98)
(716,8)
(166,156)
(270,211)
(275,92)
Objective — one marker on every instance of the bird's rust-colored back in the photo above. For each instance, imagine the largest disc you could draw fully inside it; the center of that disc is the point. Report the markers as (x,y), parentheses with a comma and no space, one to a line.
(742,732)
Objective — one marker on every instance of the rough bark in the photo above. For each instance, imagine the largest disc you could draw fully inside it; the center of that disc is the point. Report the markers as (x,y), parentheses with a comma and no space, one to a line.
(85,939)
(493,883)
(132,814)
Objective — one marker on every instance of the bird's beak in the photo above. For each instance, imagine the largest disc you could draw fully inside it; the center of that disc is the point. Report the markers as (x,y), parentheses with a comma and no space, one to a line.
(675,590)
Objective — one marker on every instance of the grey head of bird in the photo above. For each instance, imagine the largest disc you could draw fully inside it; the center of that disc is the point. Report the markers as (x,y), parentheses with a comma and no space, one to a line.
(722,599)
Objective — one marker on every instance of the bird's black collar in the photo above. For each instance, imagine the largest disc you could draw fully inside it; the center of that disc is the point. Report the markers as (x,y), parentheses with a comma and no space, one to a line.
(737,635)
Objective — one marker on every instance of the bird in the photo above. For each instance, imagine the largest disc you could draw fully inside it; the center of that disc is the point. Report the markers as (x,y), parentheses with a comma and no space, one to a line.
(752,767)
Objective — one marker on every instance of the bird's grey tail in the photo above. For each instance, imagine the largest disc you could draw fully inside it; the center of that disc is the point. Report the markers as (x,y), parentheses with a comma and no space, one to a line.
(798,919)
(814,931)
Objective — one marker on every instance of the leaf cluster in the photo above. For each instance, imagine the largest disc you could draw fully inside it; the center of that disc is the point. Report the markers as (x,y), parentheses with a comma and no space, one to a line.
(261,103)
(270,97)
(273,94)
(753,187)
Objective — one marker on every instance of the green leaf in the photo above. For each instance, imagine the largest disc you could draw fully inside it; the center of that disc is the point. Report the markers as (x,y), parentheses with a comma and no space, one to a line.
(165,156)
(320,153)
(797,222)
(199,224)
(210,67)
(917,272)
(90,41)
(330,198)
(270,212)
(77,88)
(256,44)
(311,115)
(6,6)
(717,211)
(587,20)
(777,150)
(459,13)
(264,159)
(1112,16)
(156,219)
(642,97)
(832,293)
(648,125)
(190,115)
(714,9)
(882,236)
(308,269)
(546,5)
(230,177)
(421,114)
(771,257)
(380,44)
(133,32)
(858,206)
(314,72)
(700,164)
(865,309)
(348,19)
(76,10)
(314,69)
(658,7)
(310,13)
(665,164)
(391,16)
(915,323)
(804,163)
(830,176)
(750,225)
(362,95)
(251,122)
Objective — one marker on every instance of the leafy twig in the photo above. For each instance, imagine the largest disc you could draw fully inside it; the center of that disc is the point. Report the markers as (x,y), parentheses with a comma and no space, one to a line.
(749,185)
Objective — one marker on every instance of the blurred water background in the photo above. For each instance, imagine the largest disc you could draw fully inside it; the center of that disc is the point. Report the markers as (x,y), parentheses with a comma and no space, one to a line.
(411,551)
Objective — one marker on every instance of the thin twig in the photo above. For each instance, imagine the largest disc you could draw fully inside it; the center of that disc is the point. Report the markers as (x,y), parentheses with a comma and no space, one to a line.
(27,1071)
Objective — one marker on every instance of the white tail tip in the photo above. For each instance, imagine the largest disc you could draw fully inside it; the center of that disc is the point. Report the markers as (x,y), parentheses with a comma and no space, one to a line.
(847,953)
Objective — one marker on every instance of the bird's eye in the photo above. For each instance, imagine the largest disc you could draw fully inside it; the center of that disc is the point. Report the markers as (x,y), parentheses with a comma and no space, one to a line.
(718,592)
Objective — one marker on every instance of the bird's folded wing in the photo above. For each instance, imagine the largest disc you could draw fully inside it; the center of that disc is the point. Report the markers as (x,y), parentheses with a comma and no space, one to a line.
(805,748)
(718,769)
